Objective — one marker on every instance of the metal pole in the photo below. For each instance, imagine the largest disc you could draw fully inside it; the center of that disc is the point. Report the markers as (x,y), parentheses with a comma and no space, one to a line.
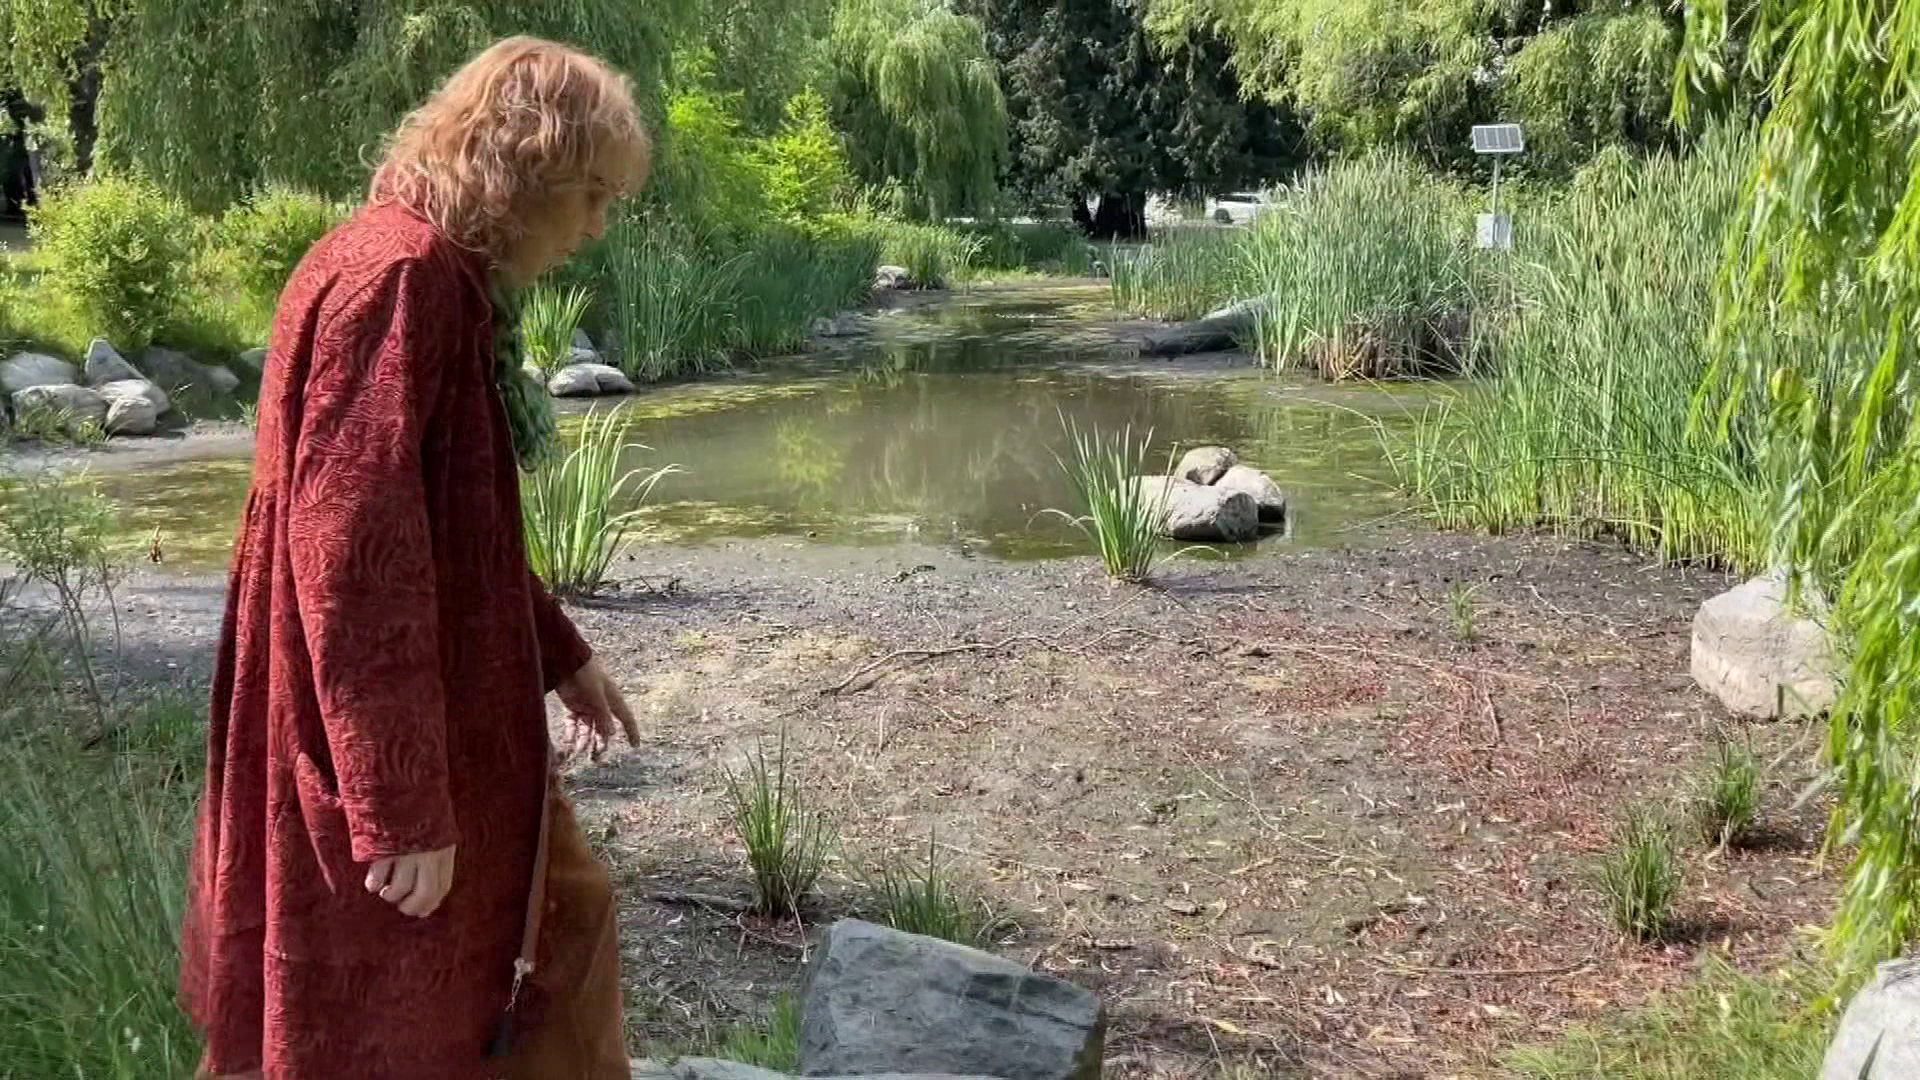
(1496,195)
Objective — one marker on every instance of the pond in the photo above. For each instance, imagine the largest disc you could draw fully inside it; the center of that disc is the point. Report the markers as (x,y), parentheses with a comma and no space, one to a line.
(940,425)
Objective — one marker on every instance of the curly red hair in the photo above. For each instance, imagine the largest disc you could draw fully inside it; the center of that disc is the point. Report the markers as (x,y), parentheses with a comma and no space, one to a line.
(522,118)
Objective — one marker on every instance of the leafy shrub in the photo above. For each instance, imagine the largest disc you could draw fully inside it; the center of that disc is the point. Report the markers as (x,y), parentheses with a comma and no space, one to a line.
(263,239)
(805,171)
(116,251)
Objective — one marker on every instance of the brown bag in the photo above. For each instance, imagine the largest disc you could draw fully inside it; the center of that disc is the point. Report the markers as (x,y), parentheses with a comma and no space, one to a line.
(566,1017)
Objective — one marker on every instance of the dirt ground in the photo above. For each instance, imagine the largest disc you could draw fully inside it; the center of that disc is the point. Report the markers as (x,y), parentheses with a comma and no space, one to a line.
(1279,813)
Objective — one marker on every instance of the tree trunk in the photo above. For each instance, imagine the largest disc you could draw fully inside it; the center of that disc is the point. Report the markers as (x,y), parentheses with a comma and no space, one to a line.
(83,93)
(1082,216)
(1122,216)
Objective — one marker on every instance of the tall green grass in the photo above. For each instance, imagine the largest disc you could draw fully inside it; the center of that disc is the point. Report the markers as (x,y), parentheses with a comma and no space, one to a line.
(548,319)
(788,279)
(579,509)
(934,256)
(1183,274)
(1367,271)
(787,839)
(1583,425)
(1039,247)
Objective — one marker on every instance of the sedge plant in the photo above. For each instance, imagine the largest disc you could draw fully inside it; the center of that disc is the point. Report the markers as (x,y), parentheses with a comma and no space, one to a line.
(579,509)
(1123,510)
(787,840)
(1640,876)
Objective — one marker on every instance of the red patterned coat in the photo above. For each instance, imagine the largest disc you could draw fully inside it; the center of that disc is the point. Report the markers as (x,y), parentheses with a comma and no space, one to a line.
(379,686)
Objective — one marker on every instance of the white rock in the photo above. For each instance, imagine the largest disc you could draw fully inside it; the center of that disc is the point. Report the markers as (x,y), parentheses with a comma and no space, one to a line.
(26,370)
(1760,659)
(1202,513)
(1266,494)
(135,388)
(106,365)
(254,360)
(588,380)
(1205,464)
(1882,1025)
(132,416)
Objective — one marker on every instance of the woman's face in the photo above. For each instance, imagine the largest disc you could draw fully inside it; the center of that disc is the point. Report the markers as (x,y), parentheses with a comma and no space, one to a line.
(569,216)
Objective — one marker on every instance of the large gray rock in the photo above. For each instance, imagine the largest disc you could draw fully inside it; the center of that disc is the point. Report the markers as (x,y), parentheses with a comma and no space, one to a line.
(176,372)
(588,380)
(1760,659)
(106,365)
(892,277)
(1205,464)
(1220,331)
(845,324)
(581,340)
(24,371)
(254,360)
(1201,513)
(877,1000)
(1881,1026)
(78,401)
(1266,494)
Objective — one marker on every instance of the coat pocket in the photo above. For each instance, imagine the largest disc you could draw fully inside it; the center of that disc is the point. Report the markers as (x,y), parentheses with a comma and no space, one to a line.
(325,820)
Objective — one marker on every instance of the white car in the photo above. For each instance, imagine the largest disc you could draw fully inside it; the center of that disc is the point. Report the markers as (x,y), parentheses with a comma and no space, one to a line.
(1236,209)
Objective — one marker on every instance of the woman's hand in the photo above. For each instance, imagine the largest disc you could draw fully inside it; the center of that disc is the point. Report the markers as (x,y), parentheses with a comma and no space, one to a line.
(595,702)
(416,884)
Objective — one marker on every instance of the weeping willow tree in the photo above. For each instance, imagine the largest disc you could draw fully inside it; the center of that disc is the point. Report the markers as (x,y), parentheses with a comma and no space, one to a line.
(214,97)
(1580,75)
(1832,240)
(918,98)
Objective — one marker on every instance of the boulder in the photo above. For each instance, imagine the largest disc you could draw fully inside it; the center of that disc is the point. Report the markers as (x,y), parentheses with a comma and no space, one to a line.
(106,365)
(877,1000)
(135,388)
(1759,658)
(1219,331)
(581,340)
(892,277)
(220,380)
(82,403)
(132,416)
(578,355)
(1266,494)
(1879,1035)
(1201,513)
(24,371)
(588,380)
(1205,464)
(254,360)
(176,372)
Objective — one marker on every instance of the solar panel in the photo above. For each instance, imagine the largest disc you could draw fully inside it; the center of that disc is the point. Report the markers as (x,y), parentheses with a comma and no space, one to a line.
(1498,139)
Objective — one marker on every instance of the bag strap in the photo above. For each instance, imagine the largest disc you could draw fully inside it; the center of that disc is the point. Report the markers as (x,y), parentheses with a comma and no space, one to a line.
(523,964)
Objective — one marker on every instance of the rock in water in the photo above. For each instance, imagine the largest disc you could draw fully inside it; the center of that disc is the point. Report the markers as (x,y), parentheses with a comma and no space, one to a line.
(1759,658)
(82,403)
(1266,494)
(106,365)
(1882,1024)
(581,340)
(1200,513)
(1220,331)
(24,371)
(877,1000)
(1205,464)
(892,277)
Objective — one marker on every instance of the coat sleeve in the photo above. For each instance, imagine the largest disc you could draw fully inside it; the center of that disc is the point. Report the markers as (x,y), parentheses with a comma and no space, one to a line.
(562,650)
(361,555)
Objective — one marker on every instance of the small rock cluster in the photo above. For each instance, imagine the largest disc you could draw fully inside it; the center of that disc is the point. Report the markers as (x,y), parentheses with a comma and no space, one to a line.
(878,1003)
(586,376)
(1211,497)
(119,397)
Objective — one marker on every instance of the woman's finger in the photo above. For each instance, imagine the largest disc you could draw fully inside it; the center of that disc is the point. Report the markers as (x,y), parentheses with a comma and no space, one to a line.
(428,891)
(379,874)
(628,724)
(406,875)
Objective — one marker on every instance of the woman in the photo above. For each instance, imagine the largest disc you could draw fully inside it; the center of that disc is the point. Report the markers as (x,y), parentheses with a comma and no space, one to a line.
(378,777)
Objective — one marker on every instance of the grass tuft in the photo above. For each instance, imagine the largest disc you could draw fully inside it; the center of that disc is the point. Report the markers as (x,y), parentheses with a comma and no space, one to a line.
(921,898)
(1122,515)
(571,507)
(1640,877)
(787,840)
(1729,802)
(548,319)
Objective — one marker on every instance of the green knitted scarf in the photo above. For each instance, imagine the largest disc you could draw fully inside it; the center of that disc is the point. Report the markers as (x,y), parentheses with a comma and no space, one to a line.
(529,411)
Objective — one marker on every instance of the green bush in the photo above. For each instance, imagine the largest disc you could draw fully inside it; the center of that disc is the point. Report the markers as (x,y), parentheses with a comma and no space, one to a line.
(263,239)
(117,252)
(805,170)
